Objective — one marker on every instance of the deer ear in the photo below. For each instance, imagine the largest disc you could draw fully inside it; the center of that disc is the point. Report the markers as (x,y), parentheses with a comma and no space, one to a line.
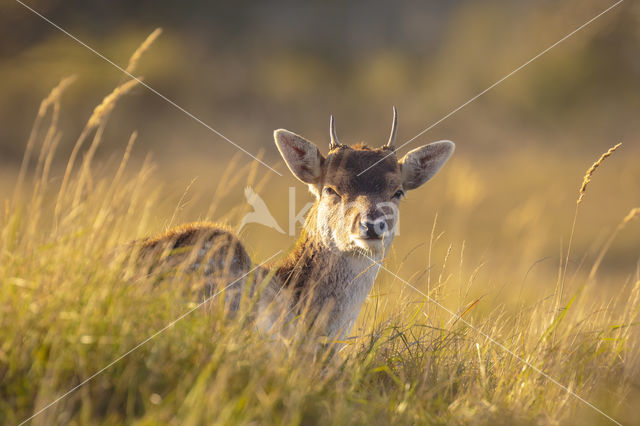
(302,157)
(421,164)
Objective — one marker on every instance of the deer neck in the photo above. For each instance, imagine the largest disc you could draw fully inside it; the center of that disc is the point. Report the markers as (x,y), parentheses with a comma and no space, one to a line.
(324,278)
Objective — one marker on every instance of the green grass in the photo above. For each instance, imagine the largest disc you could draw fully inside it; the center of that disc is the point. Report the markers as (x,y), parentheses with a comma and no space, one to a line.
(71,303)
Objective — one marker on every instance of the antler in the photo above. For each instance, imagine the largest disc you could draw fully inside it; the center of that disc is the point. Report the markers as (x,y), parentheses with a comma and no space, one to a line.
(394,131)
(332,132)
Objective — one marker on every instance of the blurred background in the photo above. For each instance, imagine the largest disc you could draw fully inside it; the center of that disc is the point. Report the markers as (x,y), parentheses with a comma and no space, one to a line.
(504,203)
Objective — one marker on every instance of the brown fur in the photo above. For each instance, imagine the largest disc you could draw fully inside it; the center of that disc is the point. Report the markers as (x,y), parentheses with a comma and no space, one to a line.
(313,278)
(211,252)
(331,269)
(343,166)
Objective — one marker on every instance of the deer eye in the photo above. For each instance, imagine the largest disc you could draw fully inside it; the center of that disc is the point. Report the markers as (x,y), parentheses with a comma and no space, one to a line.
(330,192)
(399,195)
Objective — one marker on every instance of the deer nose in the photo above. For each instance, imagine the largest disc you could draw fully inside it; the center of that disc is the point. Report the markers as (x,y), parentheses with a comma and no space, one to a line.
(373,228)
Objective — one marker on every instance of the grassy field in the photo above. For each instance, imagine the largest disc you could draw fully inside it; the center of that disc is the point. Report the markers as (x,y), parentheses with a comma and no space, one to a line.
(493,242)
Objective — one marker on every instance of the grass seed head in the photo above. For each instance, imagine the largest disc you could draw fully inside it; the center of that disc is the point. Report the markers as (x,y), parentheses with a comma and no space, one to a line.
(55,94)
(133,61)
(633,214)
(107,104)
(592,169)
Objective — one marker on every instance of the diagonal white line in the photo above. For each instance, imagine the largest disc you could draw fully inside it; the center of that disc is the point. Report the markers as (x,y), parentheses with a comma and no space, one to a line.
(495,84)
(151,89)
(115,361)
(495,342)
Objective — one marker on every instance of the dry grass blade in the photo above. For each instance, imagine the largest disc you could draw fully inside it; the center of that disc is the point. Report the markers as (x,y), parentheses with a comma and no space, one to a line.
(52,99)
(135,58)
(581,192)
(109,102)
(98,118)
(592,169)
(55,94)
(633,214)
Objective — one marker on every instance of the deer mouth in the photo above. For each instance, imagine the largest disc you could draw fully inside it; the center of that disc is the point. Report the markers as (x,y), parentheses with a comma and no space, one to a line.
(370,244)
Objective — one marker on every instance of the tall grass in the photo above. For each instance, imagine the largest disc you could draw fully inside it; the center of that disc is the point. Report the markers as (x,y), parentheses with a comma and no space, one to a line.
(70,305)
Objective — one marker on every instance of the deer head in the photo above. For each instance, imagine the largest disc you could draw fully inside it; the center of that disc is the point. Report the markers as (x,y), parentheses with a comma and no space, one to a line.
(357,211)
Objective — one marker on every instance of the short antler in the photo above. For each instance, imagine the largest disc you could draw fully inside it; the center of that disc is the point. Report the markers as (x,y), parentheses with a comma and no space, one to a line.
(332,132)
(394,131)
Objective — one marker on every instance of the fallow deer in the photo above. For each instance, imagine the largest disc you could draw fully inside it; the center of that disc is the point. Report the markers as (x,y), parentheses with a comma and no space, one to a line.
(347,232)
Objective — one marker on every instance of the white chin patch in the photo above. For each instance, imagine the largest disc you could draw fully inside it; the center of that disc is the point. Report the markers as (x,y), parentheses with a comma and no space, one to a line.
(371,245)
